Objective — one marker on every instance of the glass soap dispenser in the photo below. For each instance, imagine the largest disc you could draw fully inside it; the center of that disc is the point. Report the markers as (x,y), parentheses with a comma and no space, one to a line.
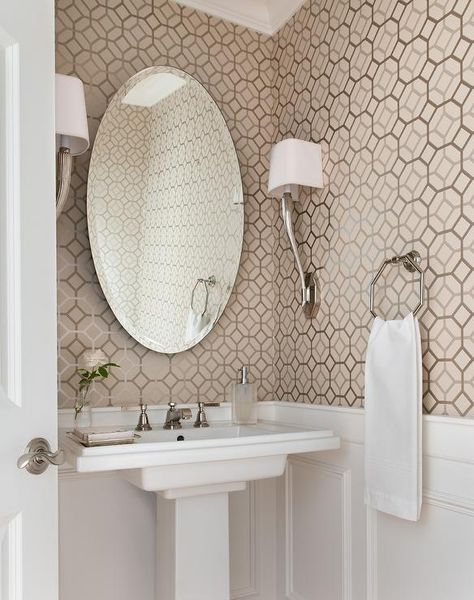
(244,400)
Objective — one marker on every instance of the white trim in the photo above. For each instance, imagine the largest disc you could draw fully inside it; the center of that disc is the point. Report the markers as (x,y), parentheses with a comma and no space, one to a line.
(371,553)
(11,536)
(448,438)
(11,228)
(252,588)
(13,222)
(290,593)
(233,14)
(15,550)
(460,504)
(346,534)
(280,17)
(264,16)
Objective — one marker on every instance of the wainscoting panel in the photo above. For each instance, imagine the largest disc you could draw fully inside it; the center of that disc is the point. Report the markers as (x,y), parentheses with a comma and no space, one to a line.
(318,530)
(243,550)
(337,548)
(107,539)
(11,558)
(431,559)
(305,536)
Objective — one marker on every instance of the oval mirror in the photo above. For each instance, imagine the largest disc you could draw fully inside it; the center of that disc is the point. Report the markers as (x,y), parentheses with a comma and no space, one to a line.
(165,209)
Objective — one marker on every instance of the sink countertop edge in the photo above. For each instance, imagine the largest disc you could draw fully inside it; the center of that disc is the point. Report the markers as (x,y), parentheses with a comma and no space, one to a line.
(122,457)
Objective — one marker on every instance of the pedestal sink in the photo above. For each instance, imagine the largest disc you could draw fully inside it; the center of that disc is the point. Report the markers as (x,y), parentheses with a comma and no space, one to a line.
(192,478)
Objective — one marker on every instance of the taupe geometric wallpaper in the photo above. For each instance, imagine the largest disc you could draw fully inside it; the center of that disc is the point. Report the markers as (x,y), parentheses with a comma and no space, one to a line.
(104,43)
(386,87)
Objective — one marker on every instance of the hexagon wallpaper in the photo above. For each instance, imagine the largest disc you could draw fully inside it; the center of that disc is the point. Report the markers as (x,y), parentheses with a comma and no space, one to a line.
(386,87)
(104,42)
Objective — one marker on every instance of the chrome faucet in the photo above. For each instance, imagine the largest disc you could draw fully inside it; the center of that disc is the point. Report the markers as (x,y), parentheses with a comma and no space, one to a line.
(174,416)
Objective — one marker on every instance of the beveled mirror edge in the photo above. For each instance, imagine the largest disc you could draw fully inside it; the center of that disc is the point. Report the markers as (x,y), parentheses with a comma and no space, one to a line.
(118,313)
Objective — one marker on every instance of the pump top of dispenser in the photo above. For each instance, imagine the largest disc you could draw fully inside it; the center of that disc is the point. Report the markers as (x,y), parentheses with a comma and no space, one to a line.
(243,375)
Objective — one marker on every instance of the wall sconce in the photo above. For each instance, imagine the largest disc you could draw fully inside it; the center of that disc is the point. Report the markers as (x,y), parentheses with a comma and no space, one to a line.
(72,134)
(293,163)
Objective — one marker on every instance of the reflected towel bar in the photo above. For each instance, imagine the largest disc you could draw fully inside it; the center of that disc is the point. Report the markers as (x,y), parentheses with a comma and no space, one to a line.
(211,282)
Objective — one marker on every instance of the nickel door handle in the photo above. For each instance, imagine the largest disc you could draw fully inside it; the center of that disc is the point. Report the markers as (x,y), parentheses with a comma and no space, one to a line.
(38,456)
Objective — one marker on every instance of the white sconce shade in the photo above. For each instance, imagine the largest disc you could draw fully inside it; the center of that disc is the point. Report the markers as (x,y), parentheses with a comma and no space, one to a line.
(72,133)
(293,163)
(71,117)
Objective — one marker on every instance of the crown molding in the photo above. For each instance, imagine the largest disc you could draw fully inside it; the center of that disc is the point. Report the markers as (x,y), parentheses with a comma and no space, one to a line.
(281,11)
(264,16)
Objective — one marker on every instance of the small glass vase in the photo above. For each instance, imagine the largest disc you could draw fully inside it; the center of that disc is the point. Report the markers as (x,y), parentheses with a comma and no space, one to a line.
(83,411)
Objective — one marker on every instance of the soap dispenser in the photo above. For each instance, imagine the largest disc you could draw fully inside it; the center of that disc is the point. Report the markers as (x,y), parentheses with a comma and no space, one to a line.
(244,400)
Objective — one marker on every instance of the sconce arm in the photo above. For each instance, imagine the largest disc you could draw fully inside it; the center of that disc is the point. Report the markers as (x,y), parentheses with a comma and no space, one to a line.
(286,213)
(63,178)
(310,288)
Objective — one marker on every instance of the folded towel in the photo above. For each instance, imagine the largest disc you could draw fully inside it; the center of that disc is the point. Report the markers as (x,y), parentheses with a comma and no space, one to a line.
(102,436)
(393,417)
(195,324)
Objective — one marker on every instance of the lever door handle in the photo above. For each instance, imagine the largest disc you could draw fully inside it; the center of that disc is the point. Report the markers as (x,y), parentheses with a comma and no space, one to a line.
(38,456)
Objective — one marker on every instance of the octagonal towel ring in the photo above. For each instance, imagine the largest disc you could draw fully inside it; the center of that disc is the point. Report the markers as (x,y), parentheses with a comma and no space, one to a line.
(411,261)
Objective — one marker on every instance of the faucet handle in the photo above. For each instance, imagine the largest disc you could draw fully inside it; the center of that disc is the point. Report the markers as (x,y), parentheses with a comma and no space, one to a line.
(143,423)
(172,404)
(201,419)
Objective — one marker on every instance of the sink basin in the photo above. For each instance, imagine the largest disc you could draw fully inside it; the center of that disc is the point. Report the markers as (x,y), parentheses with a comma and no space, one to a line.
(223,453)
(192,472)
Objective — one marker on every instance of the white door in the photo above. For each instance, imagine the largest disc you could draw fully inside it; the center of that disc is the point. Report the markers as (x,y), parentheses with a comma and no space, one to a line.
(28,503)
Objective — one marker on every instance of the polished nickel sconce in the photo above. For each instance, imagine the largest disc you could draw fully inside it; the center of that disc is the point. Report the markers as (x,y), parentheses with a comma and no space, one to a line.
(72,134)
(293,163)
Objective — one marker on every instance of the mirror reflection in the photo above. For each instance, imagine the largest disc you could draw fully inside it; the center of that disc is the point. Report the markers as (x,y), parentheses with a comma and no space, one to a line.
(165,209)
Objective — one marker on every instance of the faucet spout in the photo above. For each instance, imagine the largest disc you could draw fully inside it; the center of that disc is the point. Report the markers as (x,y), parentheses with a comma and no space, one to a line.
(175,415)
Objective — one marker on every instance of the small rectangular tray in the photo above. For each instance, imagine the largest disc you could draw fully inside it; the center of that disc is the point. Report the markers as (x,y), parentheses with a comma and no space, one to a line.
(73,437)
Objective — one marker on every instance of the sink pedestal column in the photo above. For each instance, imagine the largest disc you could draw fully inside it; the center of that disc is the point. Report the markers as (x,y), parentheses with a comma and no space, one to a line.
(193,543)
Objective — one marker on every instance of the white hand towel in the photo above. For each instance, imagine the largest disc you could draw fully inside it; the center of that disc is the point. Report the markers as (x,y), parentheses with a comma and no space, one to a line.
(195,324)
(393,417)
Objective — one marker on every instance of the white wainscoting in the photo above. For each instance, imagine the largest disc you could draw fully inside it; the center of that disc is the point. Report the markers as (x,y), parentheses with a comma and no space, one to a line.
(311,481)
(304,536)
(107,539)
(334,548)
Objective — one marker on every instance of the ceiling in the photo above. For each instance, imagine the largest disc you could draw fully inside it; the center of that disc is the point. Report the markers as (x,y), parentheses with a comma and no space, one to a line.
(265,16)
